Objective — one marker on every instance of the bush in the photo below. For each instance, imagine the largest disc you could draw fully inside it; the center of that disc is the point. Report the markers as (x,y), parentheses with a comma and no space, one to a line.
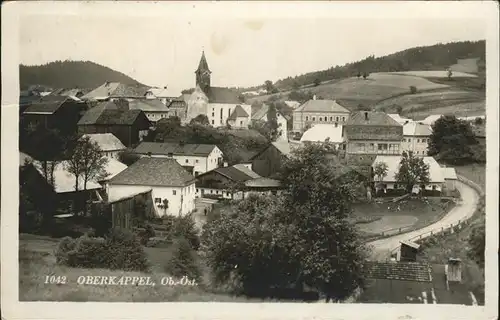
(126,251)
(66,245)
(184,227)
(413,89)
(88,253)
(183,262)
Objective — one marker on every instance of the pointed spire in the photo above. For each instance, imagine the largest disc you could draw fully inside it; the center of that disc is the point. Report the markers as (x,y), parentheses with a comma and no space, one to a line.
(203,66)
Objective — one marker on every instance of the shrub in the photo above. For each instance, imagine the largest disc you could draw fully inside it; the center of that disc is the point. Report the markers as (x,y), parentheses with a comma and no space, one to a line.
(413,89)
(66,245)
(184,227)
(88,253)
(183,262)
(126,251)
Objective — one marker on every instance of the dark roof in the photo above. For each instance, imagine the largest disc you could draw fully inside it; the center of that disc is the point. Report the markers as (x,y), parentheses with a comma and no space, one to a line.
(238,112)
(222,95)
(203,65)
(164,148)
(116,90)
(93,114)
(149,171)
(47,104)
(234,173)
(408,271)
(107,112)
(372,125)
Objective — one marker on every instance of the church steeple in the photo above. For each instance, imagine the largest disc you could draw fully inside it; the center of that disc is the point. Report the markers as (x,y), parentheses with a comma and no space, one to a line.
(203,73)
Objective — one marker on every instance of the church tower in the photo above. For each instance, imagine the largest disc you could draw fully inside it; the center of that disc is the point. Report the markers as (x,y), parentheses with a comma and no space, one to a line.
(203,74)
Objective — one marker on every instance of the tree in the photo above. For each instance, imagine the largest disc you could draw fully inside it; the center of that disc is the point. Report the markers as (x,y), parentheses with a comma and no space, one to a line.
(317,82)
(359,75)
(269,86)
(452,140)
(272,122)
(302,237)
(478,121)
(477,244)
(450,74)
(380,170)
(295,85)
(183,262)
(413,89)
(200,119)
(365,75)
(412,171)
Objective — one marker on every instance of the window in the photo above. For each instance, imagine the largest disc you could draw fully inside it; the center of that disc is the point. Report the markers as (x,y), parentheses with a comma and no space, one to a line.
(382,147)
(337,119)
(221,114)
(314,118)
(396,186)
(213,114)
(404,140)
(331,118)
(434,188)
(241,123)
(418,140)
(174,192)
(372,147)
(343,118)
(217,192)
(196,161)
(360,146)
(307,118)
(158,200)
(320,119)
(197,190)
(213,122)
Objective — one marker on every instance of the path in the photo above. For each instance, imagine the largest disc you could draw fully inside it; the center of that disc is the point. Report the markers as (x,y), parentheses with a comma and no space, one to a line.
(463,210)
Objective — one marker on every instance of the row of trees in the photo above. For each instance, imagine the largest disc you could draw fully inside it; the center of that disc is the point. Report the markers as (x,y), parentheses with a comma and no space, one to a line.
(298,240)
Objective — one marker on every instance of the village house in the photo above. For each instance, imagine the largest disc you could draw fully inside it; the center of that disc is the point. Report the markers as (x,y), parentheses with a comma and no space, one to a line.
(429,120)
(399,119)
(261,114)
(196,158)
(156,110)
(318,111)
(130,126)
(389,181)
(53,112)
(173,189)
(110,145)
(450,178)
(220,105)
(165,95)
(370,133)
(416,137)
(270,160)
(234,182)
(332,133)
(116,90)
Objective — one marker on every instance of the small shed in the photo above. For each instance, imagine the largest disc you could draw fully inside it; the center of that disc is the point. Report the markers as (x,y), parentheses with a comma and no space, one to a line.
(128,212)
(450,178)
(409,251)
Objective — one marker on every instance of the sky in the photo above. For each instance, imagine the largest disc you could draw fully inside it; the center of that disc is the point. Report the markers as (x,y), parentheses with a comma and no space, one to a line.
(165,51)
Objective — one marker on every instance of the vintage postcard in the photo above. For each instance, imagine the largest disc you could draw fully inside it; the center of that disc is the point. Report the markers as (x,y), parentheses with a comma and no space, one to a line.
(249,160)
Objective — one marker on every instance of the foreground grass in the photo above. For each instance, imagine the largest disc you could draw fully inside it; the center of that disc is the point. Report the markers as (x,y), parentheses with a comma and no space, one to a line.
(36,260)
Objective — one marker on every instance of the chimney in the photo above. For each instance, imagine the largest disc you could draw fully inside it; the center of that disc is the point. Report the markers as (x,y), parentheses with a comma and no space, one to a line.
(453,270)
(366,115)
(314,97)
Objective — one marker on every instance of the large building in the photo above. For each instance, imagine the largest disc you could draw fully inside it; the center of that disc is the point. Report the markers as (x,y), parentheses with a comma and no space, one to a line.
(318,112)
(416,137)
(372,133)
(222,106)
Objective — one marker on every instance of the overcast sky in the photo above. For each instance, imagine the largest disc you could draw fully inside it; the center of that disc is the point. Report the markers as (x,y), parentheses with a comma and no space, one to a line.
(160,51)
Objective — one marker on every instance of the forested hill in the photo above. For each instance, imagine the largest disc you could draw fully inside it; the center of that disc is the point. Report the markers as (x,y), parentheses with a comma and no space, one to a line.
(70,74)
(435,57)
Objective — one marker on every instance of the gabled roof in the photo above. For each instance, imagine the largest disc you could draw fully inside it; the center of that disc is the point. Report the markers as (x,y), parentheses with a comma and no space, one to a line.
(108,113)
(65,181)
(106,141)
(116,90)
(246,171)
(165,148)
(147,105)
(147,171)
(238,112)
(46,105)
(282,146)
(164,93)
(222,95)
(449,173)
(321,106)
(435,170)
(235,173)
(431,119)
(406,271)
(177,104)
(372,125)
(417,129)
(399,119)
(321,132)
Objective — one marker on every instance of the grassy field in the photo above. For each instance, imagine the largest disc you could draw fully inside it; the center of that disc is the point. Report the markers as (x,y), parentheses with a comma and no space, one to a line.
(413,213)
(434,74)
(36,260)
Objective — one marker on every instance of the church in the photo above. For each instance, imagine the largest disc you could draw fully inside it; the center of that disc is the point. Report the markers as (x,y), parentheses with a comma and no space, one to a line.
(222,106)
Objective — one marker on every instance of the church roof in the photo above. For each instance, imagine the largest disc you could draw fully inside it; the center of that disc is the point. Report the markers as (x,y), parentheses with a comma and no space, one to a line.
(203,65)
(222,95)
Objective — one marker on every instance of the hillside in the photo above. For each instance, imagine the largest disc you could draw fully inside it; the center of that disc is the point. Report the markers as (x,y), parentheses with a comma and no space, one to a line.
(435,57)
(70,74)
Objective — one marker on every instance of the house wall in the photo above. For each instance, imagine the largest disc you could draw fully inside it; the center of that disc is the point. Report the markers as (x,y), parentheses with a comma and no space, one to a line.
(239,123)
(180,199)
(302,119)
(202,192)
(218,113)
(417,144)
(197,104)
(268,162)
(430,186)
(450,184)
(372,147)
(282,124)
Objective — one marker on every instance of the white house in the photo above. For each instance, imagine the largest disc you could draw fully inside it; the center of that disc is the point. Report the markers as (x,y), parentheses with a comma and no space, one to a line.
(399,119)
(324,132)
(164,94)
(217,103)
(153,108)
(197,158)
(436,174)
(450,178)
(261,115)
(109,144)
(318,111)
(416,137)
(431,119)
(173,188)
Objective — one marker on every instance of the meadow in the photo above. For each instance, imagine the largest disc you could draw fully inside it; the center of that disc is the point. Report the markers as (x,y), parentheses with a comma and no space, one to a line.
(434,74)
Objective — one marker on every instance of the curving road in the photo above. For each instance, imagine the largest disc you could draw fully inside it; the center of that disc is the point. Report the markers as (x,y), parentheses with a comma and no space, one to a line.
(463,210)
